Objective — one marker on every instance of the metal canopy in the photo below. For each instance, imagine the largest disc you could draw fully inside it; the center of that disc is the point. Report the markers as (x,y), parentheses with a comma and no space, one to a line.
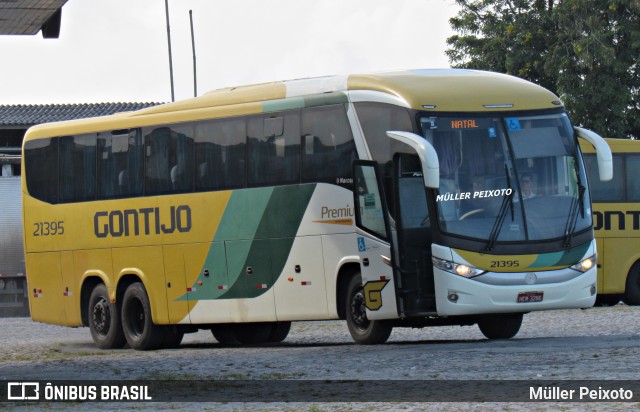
(28,17)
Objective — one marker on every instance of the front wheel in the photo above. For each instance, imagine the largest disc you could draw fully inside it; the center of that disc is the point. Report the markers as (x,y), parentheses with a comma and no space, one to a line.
(138,326)
(632,291)
(363,330)
(607,300)
(500,326)
(104,320)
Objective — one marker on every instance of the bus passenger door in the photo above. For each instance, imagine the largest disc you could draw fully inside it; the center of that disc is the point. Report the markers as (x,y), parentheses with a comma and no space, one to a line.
(413,236)
(374,243)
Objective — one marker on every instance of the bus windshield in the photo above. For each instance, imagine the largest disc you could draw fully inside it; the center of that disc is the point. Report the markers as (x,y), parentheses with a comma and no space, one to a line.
(508,179)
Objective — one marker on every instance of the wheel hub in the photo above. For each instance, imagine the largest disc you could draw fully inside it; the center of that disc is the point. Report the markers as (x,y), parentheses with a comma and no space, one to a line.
(358,312)
(101,316)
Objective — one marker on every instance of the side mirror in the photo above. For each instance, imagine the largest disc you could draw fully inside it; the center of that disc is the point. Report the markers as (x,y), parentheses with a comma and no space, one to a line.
(603,152)
(426,153)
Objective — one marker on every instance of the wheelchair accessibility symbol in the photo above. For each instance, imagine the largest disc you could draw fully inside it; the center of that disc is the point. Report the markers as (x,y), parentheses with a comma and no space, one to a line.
(361,246)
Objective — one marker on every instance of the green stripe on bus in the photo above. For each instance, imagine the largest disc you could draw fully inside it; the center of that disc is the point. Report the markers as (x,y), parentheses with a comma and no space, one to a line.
(283,104)
(243,214)
(252,265)
(274,238)
(323,99)
(565,258)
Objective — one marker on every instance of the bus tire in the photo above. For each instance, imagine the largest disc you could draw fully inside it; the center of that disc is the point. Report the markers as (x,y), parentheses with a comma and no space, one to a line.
(253,333)
(607,300)
(500,326)
(225,334)
(362,330)
(104,320)
(138,326)
(632,289)
(171,337)
(279,332)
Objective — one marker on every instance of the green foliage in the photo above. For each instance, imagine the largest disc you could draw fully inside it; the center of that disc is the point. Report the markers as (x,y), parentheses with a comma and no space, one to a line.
(586,51)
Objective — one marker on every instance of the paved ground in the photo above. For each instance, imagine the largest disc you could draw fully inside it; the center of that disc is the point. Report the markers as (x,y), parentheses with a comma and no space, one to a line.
(598,344)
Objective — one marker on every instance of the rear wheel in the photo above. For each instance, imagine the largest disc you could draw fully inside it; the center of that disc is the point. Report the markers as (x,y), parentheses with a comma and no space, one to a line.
(104,320)
(363,330)
(500,326)
(632,290)
(138,326)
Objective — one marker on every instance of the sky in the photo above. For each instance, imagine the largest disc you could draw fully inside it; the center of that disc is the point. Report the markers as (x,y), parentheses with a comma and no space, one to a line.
(116,50)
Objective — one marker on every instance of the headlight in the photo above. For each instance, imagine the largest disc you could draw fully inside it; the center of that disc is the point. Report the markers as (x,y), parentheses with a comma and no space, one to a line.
(457,269)
(585,265)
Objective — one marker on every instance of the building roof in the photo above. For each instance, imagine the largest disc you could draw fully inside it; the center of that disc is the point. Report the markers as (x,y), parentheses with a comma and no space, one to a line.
(31,16)
(32,114)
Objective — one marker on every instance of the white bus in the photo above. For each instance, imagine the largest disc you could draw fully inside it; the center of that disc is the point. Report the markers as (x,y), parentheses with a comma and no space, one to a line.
(414,198)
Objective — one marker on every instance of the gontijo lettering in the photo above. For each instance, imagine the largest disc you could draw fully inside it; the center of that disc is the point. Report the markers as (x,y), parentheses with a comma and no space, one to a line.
(134,222)
(623,220)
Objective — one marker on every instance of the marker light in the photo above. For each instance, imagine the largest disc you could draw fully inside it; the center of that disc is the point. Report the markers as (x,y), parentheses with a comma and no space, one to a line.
(498,106)
(455,268)
(585,265)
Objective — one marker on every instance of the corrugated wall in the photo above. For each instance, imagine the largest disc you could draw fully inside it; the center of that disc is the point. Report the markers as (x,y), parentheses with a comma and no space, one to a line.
(11,244)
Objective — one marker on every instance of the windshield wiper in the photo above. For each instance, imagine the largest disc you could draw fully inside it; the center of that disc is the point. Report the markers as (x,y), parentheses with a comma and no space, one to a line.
(577,204)
(506,173)
(506,201)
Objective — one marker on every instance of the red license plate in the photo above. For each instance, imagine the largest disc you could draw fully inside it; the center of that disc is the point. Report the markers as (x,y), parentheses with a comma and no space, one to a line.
(530,297)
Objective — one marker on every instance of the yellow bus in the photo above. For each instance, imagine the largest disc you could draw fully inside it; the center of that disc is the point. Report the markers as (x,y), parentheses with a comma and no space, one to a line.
(616,222)
(398,199)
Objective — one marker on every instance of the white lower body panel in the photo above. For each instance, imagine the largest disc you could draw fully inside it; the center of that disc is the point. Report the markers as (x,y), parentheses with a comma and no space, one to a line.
(475,297)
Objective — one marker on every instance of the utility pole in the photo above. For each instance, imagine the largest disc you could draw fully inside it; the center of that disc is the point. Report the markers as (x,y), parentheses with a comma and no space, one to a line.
(166,7)
(193,48)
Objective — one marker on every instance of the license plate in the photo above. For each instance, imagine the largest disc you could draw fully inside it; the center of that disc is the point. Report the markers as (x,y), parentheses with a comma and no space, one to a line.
(530,297)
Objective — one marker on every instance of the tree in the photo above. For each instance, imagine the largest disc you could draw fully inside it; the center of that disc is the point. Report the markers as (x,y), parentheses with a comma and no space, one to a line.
(586,51)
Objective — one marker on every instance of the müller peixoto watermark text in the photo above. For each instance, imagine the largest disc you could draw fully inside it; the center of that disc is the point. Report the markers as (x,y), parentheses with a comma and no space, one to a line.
(583,393)
(445,197)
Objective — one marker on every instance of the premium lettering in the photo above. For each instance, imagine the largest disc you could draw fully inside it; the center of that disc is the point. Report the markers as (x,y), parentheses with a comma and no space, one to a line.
(333,213)
(145,221)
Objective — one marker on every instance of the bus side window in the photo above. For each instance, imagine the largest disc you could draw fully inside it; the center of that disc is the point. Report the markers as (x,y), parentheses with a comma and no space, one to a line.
(328,147)
(376,119)
(77,166)
(41,165)
(169,160)
(119,164)
(633,182)
(220,158)
(273,147)
(611,191)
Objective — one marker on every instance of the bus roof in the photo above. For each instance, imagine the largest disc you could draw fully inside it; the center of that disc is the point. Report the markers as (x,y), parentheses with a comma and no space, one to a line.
(438,90)
(616,145)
